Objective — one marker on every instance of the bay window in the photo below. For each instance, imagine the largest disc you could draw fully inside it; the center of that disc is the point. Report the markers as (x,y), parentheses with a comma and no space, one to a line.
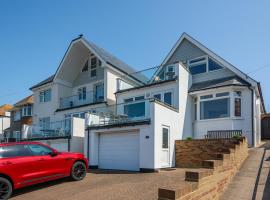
(215,106)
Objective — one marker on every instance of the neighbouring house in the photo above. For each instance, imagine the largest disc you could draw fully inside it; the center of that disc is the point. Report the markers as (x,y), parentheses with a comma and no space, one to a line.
(85,80)
(266,126)
(133,118)
(4,119)
(21,118)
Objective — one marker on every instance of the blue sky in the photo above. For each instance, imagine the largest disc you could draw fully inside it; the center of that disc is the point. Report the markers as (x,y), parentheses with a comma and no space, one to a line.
(34,35)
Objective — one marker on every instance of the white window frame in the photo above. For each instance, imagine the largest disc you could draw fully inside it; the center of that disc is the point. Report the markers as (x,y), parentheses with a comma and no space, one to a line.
(162,96)
(24,110)
(211,99)
(133,101)
(93,69)
(80,92)
(42,95)
(190,65)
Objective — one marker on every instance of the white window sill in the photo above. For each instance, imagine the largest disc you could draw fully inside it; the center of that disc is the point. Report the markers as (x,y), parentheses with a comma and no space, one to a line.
(220,119)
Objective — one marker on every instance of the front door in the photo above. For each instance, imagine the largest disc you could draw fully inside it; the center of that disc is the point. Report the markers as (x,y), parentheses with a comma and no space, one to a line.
(165,150)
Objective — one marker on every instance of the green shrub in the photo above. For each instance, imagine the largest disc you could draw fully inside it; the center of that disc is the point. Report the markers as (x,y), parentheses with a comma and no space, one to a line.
(189,138)
(237,137)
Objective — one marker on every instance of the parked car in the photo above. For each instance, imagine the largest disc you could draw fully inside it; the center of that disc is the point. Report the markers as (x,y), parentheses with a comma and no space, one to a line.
(27,163)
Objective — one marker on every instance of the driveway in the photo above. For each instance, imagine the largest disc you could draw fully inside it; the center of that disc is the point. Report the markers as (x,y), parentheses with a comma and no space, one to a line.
(103,184)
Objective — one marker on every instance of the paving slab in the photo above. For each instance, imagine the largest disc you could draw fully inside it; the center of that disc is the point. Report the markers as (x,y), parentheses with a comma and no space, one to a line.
(243,184)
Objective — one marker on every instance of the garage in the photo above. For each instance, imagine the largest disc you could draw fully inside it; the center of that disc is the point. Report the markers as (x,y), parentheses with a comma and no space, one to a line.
(119,151)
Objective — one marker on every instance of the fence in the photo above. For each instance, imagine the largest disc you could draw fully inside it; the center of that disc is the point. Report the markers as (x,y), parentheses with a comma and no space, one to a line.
(222,134)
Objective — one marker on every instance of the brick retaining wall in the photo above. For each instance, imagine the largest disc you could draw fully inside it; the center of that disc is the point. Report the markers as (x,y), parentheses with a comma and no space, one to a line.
(220,159)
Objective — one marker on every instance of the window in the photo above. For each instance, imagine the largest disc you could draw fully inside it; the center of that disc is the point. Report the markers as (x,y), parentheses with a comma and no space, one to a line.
(27,110)
(17,115)
(195,111)
(157,96)
(99,92)
(128,100)
(14,151)
(168,98)
(45,96)
(85,67)
(93,72)
(206,97)
(217,108)
(237,107)
(165,138)
(139,98)
(82,93)
(202,65)
(212,65)
(198,65)
(39,150)
(223,94)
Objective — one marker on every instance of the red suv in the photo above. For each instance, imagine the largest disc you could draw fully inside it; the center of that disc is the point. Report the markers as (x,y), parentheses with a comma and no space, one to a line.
(27,163)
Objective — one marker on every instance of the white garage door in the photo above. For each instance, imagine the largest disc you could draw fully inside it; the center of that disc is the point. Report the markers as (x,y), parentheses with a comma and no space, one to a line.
(119,151)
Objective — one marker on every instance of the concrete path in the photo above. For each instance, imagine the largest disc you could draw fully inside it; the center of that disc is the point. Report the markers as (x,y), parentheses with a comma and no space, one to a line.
(263,187)
(244,183)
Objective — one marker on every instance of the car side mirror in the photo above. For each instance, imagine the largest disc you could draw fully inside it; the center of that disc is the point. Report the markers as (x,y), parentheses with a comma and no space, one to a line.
(53,153)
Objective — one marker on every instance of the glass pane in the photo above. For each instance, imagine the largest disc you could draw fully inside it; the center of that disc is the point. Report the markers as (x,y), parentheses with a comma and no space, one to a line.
(219,108)
(93,63)
(165,138)
(99,92)
(128,100)
(195,111)
(135,110)
(223,94)
(93,73)
(237,107)
(168,98)
(213,65)
(198,69)
(206,96)
(39,150)
(139,98)
(47,95)
(85,67)
(157,96)
(14,151)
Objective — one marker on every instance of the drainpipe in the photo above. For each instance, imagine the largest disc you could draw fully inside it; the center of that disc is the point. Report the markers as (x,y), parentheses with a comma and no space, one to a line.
(252,114)
(88,140)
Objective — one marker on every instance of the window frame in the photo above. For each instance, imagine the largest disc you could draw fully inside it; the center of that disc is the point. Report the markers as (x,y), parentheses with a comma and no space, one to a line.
(205,60)
(135,100)
(82,93)
(162,94)
(168,138)
(93,67)
(42,95)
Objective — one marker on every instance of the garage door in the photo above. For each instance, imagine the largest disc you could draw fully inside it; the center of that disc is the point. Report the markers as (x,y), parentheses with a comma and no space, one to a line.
(119,151)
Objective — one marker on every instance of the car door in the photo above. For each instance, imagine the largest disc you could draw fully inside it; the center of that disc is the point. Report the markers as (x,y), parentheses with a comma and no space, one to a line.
(51,165)
(18,163)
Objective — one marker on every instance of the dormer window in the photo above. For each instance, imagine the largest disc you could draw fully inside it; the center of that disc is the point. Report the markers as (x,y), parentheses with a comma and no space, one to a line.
(202,65)
(85,67)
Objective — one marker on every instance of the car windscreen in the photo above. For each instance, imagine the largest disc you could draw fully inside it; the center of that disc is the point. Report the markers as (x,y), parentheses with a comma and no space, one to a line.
(14,151)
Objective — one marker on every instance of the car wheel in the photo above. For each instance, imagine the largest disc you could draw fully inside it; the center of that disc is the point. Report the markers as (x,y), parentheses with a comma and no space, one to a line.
(78,171)
(5,188)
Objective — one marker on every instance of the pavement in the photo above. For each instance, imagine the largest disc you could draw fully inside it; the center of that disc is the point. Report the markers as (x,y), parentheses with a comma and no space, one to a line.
(253,179)
(102,184)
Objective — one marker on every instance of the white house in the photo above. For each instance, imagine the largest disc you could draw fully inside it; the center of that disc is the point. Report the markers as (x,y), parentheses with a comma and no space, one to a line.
(4,120)
(133,121)
(197,92)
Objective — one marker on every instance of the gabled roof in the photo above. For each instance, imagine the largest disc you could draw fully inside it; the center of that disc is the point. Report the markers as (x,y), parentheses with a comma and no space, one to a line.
(25,101)
(219,59)
(47,80)
(216,83)
(104,56)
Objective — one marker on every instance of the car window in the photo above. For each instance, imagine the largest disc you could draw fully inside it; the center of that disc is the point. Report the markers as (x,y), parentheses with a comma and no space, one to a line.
(39,150)
(14,151)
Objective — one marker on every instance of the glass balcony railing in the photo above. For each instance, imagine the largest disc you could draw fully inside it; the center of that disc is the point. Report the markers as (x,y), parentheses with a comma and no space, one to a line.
(81,99)
(149,76)
(119,113)
(49,130)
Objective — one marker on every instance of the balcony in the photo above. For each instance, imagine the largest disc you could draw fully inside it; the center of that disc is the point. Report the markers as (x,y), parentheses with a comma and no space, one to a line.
(59,129)
(83,99)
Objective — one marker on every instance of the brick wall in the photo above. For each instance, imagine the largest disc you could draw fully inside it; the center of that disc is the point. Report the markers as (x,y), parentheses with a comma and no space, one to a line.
(218,160)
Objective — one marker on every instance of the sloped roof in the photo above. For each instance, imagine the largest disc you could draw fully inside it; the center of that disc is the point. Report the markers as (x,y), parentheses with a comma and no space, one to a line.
(47,80)
(26,100)
(106,56)
(228,81)
(5,108)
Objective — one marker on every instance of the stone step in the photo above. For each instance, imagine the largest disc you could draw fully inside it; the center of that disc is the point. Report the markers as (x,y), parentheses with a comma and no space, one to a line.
(211,164)
(197,175)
